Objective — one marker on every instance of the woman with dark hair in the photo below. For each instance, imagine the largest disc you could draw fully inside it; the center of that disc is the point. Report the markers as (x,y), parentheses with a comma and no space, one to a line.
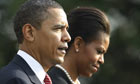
(90,33)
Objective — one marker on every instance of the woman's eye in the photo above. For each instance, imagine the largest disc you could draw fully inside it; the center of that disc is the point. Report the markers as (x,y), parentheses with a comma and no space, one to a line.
(99,52)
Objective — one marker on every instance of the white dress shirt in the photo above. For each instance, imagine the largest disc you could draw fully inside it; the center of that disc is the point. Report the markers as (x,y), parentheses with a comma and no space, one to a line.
(34,65)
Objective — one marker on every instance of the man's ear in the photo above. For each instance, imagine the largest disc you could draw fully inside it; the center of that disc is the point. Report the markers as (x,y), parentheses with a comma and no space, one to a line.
(78,41)
(28,32)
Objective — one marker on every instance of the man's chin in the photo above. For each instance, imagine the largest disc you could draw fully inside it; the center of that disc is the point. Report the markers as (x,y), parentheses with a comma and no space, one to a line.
(59,60)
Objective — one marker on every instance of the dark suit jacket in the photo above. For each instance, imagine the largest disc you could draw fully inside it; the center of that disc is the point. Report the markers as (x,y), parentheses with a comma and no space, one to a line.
(58,76)
(18,72)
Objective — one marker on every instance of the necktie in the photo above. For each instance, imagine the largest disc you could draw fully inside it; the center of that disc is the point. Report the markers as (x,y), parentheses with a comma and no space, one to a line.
(47,79)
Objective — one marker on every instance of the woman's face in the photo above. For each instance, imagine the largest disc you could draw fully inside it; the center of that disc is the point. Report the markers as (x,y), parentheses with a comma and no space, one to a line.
(91,55)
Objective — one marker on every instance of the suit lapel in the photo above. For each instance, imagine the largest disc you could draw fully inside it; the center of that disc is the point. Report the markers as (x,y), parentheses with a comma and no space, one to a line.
(26,68)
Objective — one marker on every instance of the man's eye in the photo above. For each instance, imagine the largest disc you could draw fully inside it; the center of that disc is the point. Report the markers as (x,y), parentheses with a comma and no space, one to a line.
(67,28)
(58,29)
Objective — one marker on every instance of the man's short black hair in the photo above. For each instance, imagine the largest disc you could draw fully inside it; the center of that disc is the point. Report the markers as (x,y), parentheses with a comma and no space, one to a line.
(32,12)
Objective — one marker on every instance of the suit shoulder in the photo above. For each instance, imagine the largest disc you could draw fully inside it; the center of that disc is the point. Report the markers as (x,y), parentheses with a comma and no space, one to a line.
(57,76)
(14,74)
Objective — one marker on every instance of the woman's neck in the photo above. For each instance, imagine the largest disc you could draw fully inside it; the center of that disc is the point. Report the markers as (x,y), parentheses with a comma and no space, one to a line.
(70,66)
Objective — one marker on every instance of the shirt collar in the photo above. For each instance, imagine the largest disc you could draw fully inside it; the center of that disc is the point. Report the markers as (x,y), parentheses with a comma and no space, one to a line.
(34,65)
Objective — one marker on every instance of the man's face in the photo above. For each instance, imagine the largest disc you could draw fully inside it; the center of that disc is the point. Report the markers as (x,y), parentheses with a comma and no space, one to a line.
(51,39)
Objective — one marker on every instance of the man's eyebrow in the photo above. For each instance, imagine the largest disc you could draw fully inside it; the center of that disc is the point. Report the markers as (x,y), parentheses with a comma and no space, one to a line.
(59,26)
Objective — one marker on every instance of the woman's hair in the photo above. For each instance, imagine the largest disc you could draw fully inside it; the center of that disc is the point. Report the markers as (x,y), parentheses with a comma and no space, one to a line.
(87,22)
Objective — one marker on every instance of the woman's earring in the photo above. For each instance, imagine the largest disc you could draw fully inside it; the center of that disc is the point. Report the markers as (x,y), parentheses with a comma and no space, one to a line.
(77,50)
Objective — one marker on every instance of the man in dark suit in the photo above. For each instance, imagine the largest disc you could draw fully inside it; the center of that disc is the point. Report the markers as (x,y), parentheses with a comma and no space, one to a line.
(41,30)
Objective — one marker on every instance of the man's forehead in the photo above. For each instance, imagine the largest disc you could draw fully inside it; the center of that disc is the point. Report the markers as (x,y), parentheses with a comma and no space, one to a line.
(56,11)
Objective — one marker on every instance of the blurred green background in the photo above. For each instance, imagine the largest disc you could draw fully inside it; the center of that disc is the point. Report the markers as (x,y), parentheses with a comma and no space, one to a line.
(122,62)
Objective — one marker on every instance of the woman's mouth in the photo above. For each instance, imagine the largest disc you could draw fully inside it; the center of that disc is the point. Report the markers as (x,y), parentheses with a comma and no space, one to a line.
(94,68)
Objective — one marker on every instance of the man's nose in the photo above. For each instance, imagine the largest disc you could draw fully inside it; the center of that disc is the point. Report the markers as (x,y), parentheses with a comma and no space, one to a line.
(66,36)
